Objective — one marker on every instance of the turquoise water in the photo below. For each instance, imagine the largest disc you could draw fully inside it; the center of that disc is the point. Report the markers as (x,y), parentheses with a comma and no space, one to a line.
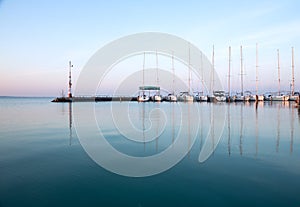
(255,163)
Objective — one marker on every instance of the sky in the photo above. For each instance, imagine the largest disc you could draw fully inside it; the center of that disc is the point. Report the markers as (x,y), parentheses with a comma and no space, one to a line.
(38,38)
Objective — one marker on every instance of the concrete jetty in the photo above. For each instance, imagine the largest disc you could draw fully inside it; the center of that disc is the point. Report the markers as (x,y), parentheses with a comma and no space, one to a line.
(93,99)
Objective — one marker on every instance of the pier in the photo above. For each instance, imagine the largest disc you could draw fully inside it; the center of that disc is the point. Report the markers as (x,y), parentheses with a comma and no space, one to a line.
(94,99)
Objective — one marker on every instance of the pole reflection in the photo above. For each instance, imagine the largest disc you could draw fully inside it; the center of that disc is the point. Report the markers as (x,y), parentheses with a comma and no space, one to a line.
(143,125)
(256,128)
(229,130)
(189,129)
(70,124)
(212,121)
(278,128)
(241,130)
(292,131)
(201,127)
(157,127)
(173,123)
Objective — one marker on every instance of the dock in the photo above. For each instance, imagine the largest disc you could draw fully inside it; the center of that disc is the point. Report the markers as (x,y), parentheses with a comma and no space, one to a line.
(93,99)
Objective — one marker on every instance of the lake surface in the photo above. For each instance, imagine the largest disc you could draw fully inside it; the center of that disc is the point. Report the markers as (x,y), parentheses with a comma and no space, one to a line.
(252,155)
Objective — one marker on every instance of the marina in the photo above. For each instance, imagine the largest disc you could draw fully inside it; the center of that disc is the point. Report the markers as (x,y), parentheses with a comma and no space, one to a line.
(154,93)
(150,103)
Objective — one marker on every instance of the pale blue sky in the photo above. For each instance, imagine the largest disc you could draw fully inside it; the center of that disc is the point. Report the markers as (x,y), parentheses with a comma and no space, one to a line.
(38,38)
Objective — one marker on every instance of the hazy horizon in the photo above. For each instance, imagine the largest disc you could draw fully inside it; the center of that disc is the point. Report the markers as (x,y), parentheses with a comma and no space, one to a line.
(39,38)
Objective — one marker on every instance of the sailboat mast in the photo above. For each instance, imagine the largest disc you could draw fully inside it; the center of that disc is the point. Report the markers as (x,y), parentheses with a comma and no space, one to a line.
(278,62)
(173,70)
(229,67)
(256,80)
(144,74)
(202,73)
(293,73)
(157,78)
(189,78)
(213,68)
(70,80)
(242,79)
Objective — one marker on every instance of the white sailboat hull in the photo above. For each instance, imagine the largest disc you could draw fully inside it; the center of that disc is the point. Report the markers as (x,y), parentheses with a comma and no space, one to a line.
(221,98)
(185,98)
(257,98)
(293,98)
(171,98)
(156,98)
(203,98)
(280,98)
(143,98)
(242,98)
(260,98)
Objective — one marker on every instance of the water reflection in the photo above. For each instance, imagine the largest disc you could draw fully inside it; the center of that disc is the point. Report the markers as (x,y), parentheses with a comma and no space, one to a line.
(278,128)
(70,124)
(157,127)
(248,126)
(229,129)
(212,121)
(241,129)
(142,115)
(292,131)
(256,128)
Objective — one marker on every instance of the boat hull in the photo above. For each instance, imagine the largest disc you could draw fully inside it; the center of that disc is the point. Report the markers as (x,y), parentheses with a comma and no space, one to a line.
(156,98)
(171,98)
(280,98)
(293,98)
(143,98)
(185,98)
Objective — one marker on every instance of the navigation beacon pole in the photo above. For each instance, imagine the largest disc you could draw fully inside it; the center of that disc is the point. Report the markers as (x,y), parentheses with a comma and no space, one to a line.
(70,81)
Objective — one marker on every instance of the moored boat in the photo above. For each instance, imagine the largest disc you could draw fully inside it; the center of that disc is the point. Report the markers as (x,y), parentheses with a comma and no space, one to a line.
(185,97)
(143,98)
(220,96)
(156,98)
(171,98)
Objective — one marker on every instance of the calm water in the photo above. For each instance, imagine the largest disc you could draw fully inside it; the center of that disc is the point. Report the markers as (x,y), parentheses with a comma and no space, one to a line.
(255,163)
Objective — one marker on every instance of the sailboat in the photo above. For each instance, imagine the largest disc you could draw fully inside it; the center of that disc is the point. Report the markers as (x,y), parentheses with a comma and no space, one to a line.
(171,96)
(142,97)
(256,97)
(186,95)
(216,96)
(157,97)
(292,96)
(241,97)
(200,97)
(279,97)
(229,97)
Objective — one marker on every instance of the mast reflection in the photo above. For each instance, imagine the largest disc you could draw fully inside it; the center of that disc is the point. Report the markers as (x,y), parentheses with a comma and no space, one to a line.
(278,128)
(157,127)
(173,123)
(229,130)
(241,131)
(256,128)
(292,130)
(201,127)
(189,129)
(212,121)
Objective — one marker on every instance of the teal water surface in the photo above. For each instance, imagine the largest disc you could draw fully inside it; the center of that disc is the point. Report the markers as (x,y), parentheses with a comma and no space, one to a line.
(256,161)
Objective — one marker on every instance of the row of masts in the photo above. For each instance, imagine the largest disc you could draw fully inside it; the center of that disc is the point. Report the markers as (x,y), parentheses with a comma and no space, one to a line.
(188,96)
(256,72)
(221,94)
